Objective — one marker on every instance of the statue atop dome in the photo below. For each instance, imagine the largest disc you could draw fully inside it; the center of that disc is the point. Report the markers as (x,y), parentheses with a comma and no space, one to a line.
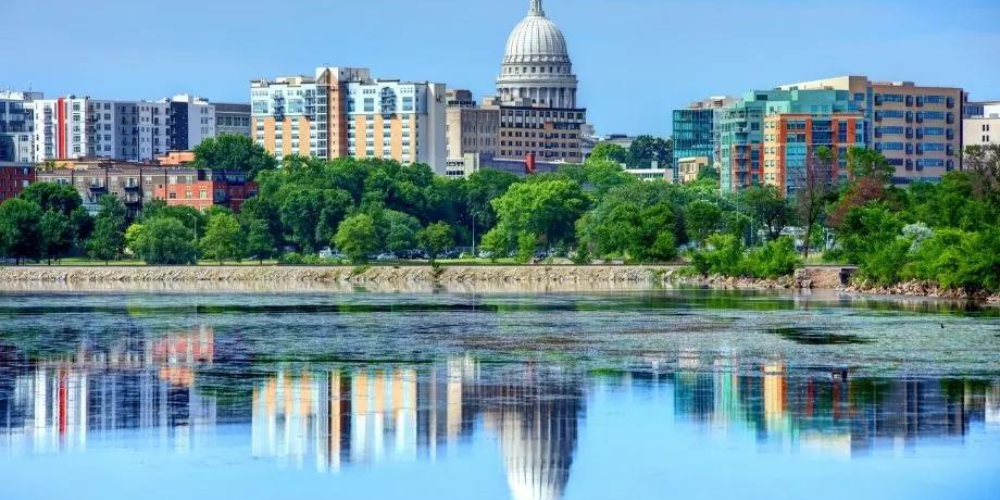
(536,8)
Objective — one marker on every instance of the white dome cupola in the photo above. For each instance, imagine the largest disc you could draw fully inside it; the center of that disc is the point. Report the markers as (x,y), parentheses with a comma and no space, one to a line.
(536,64)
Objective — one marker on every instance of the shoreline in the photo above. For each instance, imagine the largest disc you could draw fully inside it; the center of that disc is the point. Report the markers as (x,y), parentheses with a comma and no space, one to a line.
(458,278)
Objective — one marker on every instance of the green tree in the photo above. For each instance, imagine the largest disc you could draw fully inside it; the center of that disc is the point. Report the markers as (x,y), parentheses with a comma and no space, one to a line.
(234,153)
(260,242)
(485,186)
(191,217)
(107,241)
(527,242)
(56,235)
(710,174)
(264,210)
(166,241)
(646,149)
(608,151)
(50,196)
(20,231)
(313,215)
(357,237)
(815,191)
(497,243)
(768,207)
(628,229)
(983,165)
(401,231)
(224,239)
(702,219)
(868,163)
(435,239)
(548,208)
(603,176)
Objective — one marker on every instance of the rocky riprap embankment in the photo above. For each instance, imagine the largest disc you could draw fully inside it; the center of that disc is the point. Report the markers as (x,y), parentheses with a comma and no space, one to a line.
(922,289)
(527,277)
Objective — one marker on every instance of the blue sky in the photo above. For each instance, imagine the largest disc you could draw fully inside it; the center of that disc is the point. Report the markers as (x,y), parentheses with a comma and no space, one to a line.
(636,59)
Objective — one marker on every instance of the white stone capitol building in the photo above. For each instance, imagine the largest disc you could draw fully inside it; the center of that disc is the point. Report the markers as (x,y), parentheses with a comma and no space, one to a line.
(537,93)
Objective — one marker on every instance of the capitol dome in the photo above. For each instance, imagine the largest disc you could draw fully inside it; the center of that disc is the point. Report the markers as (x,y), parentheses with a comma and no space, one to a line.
(536,64)
(536,39)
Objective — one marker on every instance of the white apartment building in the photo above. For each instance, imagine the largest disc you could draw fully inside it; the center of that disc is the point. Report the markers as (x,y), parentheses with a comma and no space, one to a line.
(76,127)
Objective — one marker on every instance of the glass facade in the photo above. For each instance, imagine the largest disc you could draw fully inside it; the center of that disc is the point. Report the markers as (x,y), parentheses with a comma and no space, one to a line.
(693,134)
(741,134)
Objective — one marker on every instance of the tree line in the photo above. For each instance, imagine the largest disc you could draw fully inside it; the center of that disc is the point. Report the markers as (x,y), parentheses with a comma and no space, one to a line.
(946,233)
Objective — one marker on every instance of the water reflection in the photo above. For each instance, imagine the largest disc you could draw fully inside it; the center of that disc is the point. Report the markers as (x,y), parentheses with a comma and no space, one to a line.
(169,392)
(828,414)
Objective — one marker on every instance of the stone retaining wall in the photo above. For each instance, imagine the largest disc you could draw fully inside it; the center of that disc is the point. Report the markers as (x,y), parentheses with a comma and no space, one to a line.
(403,278)
(374,275)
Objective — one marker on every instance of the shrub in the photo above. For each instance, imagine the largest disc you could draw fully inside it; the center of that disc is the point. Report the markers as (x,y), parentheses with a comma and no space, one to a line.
(775,259)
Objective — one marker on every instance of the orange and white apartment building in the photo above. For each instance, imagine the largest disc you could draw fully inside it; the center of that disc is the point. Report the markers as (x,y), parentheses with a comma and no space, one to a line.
(343,112)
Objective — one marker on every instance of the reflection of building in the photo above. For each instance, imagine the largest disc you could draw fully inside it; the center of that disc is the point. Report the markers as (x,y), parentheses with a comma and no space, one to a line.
(992,411)
(825,415)
(365,415)
(140,385)
(337,417)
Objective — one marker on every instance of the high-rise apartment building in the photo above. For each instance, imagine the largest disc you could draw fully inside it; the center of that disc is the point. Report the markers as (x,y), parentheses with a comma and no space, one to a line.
(792,139)
(539,114)
(17,126)
(72,127)
(918,129)
(137,131)
(232,119)
(741,132)
(694,131)
(192,120)
(344,112)
(983,128)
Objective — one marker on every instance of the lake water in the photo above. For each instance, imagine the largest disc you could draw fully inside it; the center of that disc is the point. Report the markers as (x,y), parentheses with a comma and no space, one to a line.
(631,395)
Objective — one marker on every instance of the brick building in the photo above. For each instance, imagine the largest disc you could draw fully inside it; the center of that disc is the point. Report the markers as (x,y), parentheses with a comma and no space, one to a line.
(14,177)
(138,183)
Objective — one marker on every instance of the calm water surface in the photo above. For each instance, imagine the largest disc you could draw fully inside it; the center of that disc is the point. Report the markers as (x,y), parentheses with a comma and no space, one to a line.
(632,395)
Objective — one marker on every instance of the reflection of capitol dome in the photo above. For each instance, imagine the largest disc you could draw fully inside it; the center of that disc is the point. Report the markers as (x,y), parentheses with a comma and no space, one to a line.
(537,424)
(536,64)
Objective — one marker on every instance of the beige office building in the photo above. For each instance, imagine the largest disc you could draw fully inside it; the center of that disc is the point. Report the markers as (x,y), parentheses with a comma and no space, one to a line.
(918,129)
(689,168)
(472,129)
(982,130)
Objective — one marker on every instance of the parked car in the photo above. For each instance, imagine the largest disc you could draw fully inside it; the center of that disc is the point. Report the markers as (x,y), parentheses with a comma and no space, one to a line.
(384,257)
(329,253)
